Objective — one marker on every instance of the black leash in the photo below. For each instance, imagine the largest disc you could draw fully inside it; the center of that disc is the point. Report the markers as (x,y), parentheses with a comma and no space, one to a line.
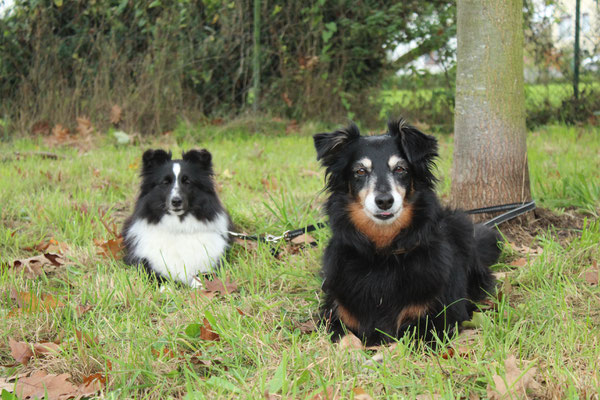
(513,210)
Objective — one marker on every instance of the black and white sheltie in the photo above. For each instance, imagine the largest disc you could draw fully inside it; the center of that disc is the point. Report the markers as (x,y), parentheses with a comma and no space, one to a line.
(397,261)
(179,227)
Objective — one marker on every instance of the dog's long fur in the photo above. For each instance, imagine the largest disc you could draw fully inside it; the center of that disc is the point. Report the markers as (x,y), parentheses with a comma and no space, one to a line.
(397,261)
(179,227)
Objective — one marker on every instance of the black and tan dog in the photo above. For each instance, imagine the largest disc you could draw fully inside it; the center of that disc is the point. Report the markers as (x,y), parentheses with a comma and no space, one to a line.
(397,261)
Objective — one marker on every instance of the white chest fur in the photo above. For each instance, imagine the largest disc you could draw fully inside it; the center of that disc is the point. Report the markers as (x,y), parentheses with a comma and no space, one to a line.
(180,249)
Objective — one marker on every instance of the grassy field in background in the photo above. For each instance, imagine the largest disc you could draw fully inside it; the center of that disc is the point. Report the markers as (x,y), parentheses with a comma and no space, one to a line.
(146,344)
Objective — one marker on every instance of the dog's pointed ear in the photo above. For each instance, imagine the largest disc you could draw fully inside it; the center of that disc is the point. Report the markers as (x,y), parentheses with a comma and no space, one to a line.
(152,158)
(416,145)
(331,143)
(201,157)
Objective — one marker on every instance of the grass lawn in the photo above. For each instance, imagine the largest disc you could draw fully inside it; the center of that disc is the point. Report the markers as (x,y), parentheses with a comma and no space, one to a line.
(148,344)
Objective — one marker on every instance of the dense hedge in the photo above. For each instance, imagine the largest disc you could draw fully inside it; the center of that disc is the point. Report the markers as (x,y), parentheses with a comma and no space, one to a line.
(166,59)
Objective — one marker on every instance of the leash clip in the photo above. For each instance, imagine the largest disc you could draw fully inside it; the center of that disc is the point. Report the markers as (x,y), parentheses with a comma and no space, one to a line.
(272,238)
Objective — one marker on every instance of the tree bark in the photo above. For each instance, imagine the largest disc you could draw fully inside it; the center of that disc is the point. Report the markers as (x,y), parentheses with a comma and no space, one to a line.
(490,151)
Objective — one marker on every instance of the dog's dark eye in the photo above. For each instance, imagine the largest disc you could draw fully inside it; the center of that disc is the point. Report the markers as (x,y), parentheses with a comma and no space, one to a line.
(167,181)
(185,180)
(361,172)
(399,169)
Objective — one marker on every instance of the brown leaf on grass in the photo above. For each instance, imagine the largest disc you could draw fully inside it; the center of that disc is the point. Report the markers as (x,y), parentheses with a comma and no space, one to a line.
(307,326)
(56,387)
(428,396)
(218,286)
(110,248)
(360,394)
(82,309)
(20,351)
(49,246)
(29,303)
(350,341)
(163,352)
(43,348)
(116,114)
(515,382)
(206,332)
(270,184)
(249,245)
(303,239)
(86,338)
(527,250)
(519,262)
(33,267)
(591,274)
(328,394)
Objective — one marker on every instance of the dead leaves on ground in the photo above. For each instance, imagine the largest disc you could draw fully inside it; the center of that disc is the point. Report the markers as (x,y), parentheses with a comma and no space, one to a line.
(214,287)
(33,267)
(514,383)
(40,384)
(22,352)
(28,302)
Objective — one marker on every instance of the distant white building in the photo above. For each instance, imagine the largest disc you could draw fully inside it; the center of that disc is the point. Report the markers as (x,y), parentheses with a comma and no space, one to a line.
(560,19)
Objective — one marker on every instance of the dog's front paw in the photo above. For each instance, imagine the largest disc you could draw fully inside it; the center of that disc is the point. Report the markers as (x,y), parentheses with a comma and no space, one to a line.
(196,283)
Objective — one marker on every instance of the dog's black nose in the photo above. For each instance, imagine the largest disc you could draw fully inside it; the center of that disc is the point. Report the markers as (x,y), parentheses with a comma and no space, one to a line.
(176,202)
(384,201)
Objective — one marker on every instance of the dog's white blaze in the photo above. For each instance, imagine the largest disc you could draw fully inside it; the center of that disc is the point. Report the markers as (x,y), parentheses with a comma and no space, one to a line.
(396,191)
(180,249)
(176,171)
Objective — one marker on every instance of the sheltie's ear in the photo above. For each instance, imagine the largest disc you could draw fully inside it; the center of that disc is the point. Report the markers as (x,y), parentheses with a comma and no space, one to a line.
(200,157)
(330,144)
(153,158)
(416,146)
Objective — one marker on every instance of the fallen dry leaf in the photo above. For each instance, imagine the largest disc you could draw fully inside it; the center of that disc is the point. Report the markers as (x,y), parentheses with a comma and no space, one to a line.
(591,274)
(206,332)
(428,396)
(350,341)
(327,395)
(86,338)
(81,309)
(110,248)
(527,250)
(249,245)
(116,114)
(33,267)
(515,382)
(302,239)
(360,394)
(519,262)
(20,351)
(307,326)
(218,286)
(270,184)
(56,387)
(49,246)
(28,302)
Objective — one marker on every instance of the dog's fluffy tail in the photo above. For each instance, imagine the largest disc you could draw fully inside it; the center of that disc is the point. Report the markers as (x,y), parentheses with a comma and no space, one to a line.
(487,250)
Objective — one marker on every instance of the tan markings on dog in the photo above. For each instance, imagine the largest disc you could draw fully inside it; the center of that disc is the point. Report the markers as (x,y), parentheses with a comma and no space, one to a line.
(411,313)
(381,235)
(346,317)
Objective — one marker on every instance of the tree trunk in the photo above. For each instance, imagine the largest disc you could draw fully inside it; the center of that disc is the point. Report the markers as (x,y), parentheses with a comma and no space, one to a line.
(490,151)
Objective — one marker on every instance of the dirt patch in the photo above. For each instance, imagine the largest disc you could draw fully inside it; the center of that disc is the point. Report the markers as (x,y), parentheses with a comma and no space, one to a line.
(524,229)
